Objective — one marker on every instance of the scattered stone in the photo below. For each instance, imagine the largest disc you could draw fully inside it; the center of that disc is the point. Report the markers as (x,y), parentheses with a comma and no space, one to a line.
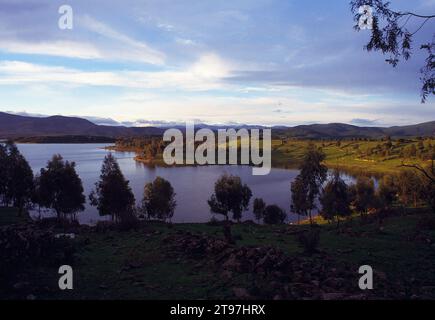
(21,285)
(278,275)
(242,293)
(333,296)
(226,275)
(65,235)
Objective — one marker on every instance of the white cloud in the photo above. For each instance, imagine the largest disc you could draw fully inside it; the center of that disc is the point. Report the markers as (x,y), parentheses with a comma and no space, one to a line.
(115,47)
(131,49)
(185,42)
(205,74)
(165,26)
(69,49)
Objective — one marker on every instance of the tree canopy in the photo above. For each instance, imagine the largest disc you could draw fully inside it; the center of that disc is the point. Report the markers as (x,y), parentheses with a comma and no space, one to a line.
(112,195)
(230,195)
(159,199)
(60,188)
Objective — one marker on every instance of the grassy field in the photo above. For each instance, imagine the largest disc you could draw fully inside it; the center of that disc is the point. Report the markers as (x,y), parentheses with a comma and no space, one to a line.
(367,157)
(355,157)
(143,264)
(10,216)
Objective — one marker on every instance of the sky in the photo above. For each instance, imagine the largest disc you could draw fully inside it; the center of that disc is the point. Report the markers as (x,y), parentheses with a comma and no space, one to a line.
(148,62)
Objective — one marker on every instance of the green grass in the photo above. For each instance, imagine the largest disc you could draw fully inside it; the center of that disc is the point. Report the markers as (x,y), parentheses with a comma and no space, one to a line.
(10,216)
(350,156)
(140,265)
(353,157)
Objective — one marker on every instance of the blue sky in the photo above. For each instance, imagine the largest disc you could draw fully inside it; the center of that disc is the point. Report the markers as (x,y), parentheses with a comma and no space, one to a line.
(265,62)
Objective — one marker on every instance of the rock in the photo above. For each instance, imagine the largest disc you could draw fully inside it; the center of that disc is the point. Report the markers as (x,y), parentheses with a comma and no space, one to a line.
(21,285)
(65,235)
(332,296)
(315,283)
(232,263)
(381,275)
(333,282)
(242,293)
(227,275)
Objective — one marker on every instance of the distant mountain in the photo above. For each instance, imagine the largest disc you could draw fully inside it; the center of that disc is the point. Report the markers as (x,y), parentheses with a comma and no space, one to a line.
(340,130)
(13,126)
(17,126)
(332,130)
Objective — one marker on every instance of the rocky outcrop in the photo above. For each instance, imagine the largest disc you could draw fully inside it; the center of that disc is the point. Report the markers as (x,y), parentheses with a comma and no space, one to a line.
(277,275)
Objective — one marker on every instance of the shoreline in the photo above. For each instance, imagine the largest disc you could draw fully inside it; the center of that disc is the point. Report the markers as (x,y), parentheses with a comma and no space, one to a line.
(347,169)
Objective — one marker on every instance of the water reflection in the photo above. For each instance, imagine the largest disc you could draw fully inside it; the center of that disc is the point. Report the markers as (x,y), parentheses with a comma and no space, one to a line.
(193,185)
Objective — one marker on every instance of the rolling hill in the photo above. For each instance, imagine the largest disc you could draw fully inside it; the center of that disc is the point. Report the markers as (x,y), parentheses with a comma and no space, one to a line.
(13,126)
(16,126)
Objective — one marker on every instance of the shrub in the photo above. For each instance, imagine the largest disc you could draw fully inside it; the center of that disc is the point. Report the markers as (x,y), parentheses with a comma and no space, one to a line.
(274,215)
(27,245)
(309,240)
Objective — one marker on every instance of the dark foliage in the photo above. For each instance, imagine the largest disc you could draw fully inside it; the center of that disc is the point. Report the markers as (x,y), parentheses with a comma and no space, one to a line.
(230,195)
(16,177)
(274,215)
(392,36)
(159,199)
(309,240)
(335,199)
(112,195)
(59,187)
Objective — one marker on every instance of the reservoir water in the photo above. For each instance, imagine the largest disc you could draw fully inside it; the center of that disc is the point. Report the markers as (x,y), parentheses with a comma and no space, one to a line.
(193,185)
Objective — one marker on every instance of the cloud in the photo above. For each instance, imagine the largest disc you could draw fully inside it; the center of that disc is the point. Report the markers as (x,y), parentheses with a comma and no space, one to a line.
(109,45)
(364,122)
(206,73)
(69,49)
(127,48)
(186,42)
(165,26)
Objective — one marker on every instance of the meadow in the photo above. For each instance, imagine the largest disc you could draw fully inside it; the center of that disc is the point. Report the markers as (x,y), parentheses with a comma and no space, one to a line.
(166,261)
(369,157)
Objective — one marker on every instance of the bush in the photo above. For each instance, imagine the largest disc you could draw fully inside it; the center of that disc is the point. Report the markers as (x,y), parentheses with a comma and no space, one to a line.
(27,245)
(426,223)
(274,215)
(128,221)
(309,240)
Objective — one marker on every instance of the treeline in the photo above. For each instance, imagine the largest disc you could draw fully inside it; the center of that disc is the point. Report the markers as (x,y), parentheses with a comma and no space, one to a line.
(65,139)
(58,187)
(338,200)
(147,148)
(422,149)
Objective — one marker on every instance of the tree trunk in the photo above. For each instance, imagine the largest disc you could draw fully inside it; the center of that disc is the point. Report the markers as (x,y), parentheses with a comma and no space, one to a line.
(227,232)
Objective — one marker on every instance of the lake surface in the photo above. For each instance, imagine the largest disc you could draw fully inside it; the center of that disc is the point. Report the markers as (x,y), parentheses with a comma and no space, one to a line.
(193,185)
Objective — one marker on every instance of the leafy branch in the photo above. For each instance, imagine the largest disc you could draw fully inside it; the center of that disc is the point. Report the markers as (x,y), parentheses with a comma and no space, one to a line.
(391,36)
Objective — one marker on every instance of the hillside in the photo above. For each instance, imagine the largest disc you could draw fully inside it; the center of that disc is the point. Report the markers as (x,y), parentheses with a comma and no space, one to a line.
(340,130)
(14,126)
(192,261)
